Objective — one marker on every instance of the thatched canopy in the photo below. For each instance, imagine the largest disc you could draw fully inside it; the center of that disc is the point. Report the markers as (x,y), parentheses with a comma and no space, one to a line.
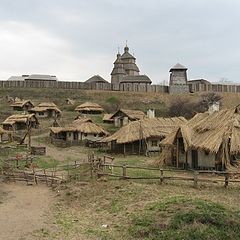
(84,127)
(146,128)
(79,120)
(20,118)
(107,117)
(45,106)
(21,103)
(89,107)
(210,132)
(131,114)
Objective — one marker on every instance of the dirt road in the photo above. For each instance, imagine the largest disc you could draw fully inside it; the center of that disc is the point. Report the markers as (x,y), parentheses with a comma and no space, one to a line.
(23,209)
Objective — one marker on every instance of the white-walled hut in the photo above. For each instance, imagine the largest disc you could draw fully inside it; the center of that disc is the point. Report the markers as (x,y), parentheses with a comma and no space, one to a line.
(143,136)
(46,110)
(207,141)
(20,122)
(80,131)
(89,108)
(123,116)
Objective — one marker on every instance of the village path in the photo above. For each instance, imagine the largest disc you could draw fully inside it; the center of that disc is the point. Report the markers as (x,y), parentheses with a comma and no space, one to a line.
(23,209)
(74,153)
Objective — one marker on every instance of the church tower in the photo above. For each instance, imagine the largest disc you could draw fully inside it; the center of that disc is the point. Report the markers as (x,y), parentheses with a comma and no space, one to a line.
(117,73)
(129,64)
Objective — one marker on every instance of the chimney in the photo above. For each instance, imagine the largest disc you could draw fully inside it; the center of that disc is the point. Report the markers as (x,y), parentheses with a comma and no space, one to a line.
(151,113)
(213,107)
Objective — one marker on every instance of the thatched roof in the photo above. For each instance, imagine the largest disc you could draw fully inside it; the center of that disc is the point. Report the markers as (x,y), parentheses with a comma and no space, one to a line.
(145,128)
(45,106)
(89,106)
(107,117)
(96,79)
(209,132)
(85,127)
(19,118)
(131,114)
(21,103)
(80,120)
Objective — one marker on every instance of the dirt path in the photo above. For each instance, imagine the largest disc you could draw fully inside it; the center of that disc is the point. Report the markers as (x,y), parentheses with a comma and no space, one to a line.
(61,154)
(23,209)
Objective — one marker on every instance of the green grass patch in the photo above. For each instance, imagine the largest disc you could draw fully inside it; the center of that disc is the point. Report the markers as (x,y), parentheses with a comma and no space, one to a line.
(185,218)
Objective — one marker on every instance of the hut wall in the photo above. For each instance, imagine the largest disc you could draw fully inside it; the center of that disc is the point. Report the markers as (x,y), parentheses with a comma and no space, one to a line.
(206,160)
(41,114)
(153,144)
(90,137)
(121,121)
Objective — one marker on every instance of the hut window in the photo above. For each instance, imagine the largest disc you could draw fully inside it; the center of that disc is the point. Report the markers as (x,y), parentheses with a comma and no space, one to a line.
(41,113)
(85,134)
(206,152)
(94,134)
(154,143)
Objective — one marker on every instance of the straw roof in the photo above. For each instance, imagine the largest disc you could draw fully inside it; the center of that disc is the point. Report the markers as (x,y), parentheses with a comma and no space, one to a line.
(131,114)
(145,128)
(209,132)
(80,120)
(89,106)
(21,103)
(108,117)
(85,127)
(19,118)
(45,106)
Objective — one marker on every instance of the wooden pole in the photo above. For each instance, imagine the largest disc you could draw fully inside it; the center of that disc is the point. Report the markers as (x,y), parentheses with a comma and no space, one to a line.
(124,171)
(177,153)
(124,149)
(226,180)
(195,177)
(161,176)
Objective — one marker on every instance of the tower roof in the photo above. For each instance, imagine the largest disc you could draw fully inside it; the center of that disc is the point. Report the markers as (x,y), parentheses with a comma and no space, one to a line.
(118,66)
(178,66)
(126,54)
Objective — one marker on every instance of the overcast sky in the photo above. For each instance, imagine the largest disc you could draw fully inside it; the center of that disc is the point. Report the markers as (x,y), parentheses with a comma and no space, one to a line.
(75,39)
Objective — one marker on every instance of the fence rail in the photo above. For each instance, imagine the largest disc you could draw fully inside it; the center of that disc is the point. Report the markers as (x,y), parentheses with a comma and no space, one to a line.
(176,174)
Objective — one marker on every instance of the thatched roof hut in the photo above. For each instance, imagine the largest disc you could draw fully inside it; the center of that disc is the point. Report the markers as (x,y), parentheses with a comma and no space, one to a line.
(107,118)
(131,114)
(81,130)
(145,130)
(89,108)
(216,134)
(20,121)
(46,109)
(22,105)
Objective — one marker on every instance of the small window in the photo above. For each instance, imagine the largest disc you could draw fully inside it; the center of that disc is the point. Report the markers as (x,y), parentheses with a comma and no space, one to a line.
(85,134)
(206,152)
(95,135)
(154,143)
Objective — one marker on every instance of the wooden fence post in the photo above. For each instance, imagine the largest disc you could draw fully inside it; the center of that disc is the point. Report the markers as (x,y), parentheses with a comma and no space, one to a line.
(161,176)
(124,171)
(195,177)
(226,180)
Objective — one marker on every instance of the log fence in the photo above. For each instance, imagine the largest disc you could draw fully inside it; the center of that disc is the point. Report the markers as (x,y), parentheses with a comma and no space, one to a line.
(194,176)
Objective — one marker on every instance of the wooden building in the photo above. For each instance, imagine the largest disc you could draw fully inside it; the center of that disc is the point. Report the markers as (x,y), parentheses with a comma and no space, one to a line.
(107,118)
(143,136)
(123,116)
(207,141)
(20,122)
(46,110)
(22,105)
(80,131)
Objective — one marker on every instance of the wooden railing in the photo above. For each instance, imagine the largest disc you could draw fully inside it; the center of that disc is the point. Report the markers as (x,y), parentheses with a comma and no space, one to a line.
(169,174)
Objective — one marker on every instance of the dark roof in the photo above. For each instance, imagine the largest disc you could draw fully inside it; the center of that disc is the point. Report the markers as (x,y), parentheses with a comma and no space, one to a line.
(178,66)
(199,80)
(136,78)
(41,77)
(126,54)
(96,78)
